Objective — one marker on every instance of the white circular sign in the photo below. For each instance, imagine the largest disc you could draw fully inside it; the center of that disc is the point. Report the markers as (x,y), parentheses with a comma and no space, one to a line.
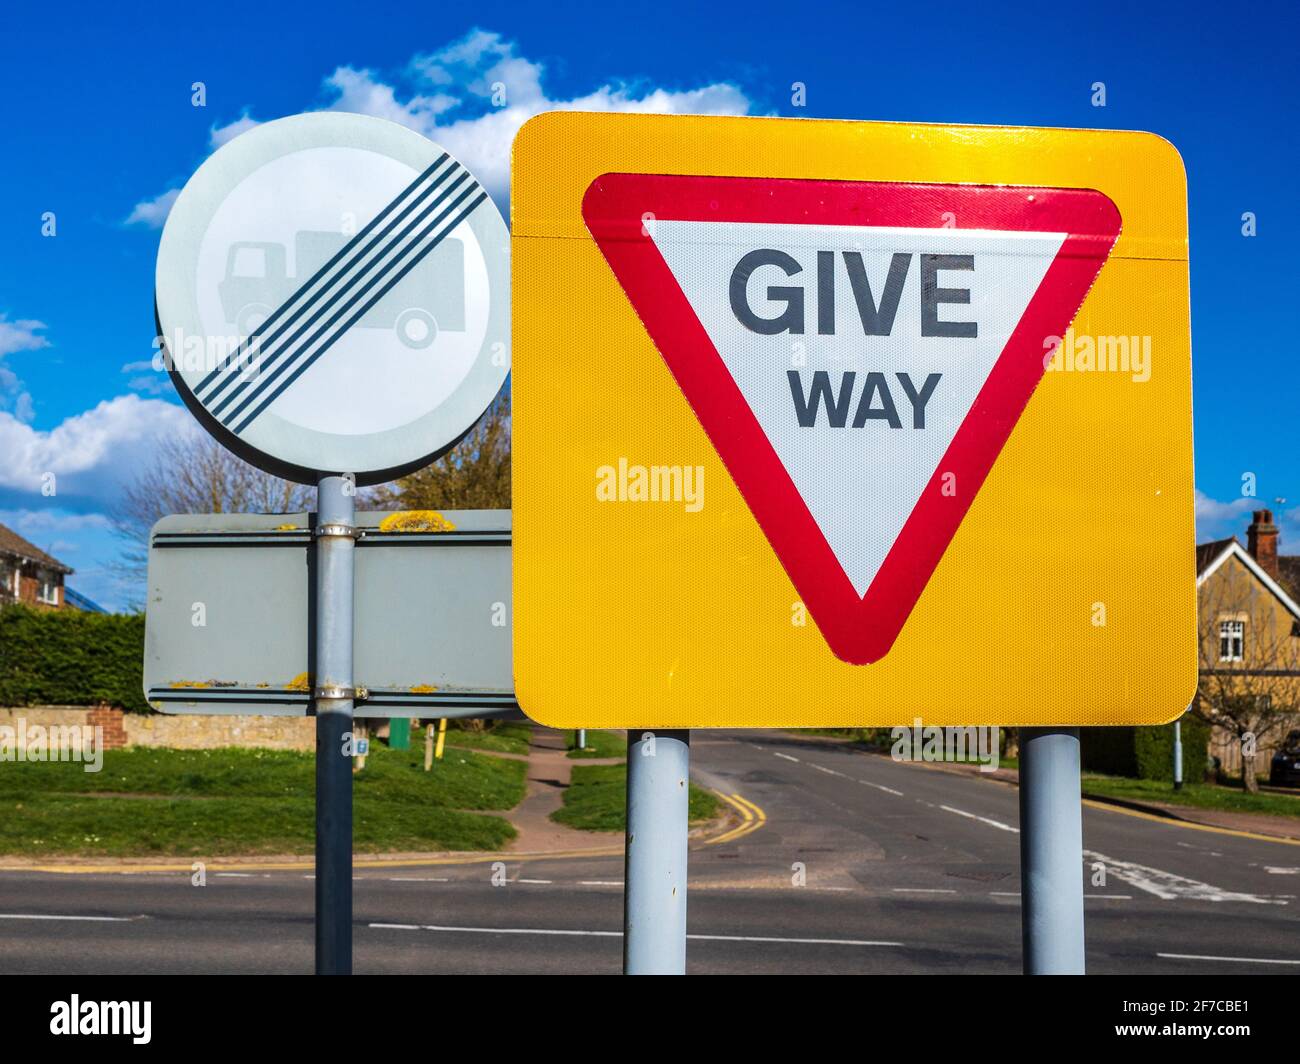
(333,296)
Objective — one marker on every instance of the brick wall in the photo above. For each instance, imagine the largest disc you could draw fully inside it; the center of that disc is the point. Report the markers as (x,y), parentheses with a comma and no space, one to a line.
(178,732)
(111,720)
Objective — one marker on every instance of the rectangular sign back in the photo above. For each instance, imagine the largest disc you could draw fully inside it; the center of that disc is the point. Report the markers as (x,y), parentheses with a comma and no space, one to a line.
(227,627)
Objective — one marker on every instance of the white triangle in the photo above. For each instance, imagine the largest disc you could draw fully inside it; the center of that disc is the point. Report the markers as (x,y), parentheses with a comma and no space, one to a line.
(860,484)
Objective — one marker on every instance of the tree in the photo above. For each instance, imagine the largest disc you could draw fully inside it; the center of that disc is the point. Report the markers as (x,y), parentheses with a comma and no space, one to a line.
(195,475)
(1250,664)
(473,475)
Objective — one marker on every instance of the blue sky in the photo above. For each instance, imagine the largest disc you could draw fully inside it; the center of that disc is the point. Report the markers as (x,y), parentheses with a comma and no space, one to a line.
(98,126)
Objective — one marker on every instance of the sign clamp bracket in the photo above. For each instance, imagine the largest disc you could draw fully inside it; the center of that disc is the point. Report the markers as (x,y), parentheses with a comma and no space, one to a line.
(334,692)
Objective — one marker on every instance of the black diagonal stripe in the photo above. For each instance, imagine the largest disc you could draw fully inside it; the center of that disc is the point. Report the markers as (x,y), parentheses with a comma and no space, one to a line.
(324,269)
(247,388)
(356,317)
(340,275)
(264,384)
(264,341)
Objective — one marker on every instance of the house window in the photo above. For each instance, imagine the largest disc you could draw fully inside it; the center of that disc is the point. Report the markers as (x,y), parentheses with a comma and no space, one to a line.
(1232,640)
(48,591)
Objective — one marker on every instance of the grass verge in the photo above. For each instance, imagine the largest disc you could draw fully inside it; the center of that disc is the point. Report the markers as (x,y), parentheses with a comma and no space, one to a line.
(209,803)
(596,800)
(600,744)
(1195,795)
(508,737)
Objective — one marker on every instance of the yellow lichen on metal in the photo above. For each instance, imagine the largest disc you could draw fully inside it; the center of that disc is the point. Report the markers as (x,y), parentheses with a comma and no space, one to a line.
(301,682)
(423,689)
(288,528)
(416,521)
(190,683)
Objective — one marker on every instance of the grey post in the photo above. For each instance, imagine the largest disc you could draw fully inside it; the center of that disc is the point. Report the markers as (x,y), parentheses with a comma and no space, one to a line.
(581,739)
(1178,755)
(654,891)
(334,695)
(1051,852)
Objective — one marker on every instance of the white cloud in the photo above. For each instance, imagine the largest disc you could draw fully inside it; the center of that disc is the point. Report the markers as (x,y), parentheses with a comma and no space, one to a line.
(147,378)
(152,213)
(28,523)
(92,453)
(24,408)
(471,96)
(20,335)
(1216,519)
(452,96)
(1212,515)
(219,135)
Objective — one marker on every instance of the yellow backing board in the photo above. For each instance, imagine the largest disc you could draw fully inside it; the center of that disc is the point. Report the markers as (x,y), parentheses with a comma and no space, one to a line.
(1066,595)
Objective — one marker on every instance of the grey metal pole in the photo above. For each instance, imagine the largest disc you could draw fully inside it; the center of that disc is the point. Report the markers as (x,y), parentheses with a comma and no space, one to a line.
(582,739)
(1178,755)
(1051,852)
(334,695)
(654,891)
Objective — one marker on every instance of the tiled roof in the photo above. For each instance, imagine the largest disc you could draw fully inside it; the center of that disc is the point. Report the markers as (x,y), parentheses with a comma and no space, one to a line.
(1207,552)
(12,543)
(1288,566)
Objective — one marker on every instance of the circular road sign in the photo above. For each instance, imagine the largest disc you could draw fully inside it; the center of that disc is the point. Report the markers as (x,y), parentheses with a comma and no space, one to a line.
(333,296)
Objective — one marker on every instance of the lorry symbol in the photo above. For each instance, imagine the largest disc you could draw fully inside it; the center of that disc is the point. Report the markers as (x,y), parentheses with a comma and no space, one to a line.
(429,299)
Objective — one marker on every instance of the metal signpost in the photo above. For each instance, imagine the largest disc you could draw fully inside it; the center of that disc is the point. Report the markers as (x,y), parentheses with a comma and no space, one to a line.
(866,419)
(211,647)
(332,297)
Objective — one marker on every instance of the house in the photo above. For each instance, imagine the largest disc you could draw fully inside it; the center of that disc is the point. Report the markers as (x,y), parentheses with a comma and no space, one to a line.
(29,575)
(1249,604)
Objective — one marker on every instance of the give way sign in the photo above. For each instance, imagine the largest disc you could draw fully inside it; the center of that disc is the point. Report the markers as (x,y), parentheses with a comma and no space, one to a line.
(856,352)
(799,386)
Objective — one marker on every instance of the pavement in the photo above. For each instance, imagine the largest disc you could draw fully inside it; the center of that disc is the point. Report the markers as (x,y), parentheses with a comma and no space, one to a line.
(833,861)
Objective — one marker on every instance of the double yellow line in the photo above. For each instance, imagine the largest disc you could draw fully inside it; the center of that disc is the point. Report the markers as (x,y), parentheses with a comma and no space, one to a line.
(752,818)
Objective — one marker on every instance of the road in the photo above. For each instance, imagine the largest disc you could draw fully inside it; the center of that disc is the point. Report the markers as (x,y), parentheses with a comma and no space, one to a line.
(904,868)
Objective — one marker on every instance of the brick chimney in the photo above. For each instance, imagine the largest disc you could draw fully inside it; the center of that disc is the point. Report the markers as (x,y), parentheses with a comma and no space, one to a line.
(1261,541)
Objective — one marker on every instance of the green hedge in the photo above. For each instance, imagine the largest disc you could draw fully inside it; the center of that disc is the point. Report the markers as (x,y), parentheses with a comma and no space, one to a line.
(70,658)
(1146,753)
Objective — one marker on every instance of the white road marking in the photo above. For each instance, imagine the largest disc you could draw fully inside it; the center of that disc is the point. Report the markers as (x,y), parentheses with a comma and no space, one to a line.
(828,771)
(1235,960)
(538,882)
(793,941)
(418,879)
(786,757)
(1105,897)
(546,931)
(46,916)
(600,883)
(923,890)
(235,875)
(982,819)
(1281,871)
(882,787)
(1168,886)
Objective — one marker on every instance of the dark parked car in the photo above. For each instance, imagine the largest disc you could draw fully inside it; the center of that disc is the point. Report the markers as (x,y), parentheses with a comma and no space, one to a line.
(1286,763)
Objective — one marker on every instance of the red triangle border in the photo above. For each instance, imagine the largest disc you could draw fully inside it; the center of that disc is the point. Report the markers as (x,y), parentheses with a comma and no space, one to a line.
(858,630)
